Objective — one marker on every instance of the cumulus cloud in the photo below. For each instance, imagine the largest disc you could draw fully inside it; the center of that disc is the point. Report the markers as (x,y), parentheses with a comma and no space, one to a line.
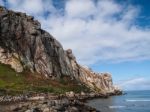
(80,8)
(102,31)
(139,83)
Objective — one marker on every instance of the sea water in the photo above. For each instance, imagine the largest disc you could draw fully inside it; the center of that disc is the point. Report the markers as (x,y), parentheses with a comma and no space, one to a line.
(133,101)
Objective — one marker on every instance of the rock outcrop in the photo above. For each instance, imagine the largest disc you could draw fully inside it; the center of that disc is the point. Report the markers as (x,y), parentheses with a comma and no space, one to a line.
(25,46)
(36,49)
(100,82)
(51,105)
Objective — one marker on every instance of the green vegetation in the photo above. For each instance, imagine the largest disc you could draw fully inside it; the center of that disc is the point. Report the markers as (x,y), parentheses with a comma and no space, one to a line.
(15,83)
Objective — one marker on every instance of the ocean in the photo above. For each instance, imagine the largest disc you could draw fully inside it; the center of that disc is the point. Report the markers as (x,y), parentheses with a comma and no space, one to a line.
(133,101)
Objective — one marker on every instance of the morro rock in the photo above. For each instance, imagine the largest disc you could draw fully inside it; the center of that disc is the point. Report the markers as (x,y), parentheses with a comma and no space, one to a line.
(25,46)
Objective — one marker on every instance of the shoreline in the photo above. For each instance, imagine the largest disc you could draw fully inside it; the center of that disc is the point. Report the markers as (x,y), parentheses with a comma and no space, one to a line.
(48,102)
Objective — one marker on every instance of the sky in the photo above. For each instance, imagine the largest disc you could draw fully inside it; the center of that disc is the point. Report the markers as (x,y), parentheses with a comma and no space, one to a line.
(106,35)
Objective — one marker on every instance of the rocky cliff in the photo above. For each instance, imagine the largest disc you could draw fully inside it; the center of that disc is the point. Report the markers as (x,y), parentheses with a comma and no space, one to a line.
(25,46)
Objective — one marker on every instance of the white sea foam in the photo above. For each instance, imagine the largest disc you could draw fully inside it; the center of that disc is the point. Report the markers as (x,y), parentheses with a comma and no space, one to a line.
(119,106)
(137,100)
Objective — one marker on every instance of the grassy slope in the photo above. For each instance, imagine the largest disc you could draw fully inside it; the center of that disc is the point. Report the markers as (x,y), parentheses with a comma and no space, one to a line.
(14,83)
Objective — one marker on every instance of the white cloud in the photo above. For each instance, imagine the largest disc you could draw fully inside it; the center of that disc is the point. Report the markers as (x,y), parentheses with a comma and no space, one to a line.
(139,83)
(34,7)
(79,8)
(97,32)
(108,8)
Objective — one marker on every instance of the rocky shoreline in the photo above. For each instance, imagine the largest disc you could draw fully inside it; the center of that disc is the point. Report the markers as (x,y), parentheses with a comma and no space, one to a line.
(59,105)
(46,102)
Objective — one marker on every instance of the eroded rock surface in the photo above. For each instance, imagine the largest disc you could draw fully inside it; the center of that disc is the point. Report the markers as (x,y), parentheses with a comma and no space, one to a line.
(100,82)
(25,46)
(10,59)
(36,49)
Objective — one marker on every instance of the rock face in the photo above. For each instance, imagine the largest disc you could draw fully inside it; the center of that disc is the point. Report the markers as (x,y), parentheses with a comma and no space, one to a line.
(25,46)
(100,82)
(36,49)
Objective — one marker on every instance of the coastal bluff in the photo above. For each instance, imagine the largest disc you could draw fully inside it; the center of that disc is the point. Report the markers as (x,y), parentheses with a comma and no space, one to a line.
(25,46)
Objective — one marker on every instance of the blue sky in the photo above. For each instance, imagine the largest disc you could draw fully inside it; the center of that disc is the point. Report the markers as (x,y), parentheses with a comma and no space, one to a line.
(106,35)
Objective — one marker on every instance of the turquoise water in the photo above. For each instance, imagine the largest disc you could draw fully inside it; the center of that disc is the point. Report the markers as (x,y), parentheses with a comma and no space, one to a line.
(133,101)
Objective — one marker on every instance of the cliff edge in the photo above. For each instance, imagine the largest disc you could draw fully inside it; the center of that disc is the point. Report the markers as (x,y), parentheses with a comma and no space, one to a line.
(25,46)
